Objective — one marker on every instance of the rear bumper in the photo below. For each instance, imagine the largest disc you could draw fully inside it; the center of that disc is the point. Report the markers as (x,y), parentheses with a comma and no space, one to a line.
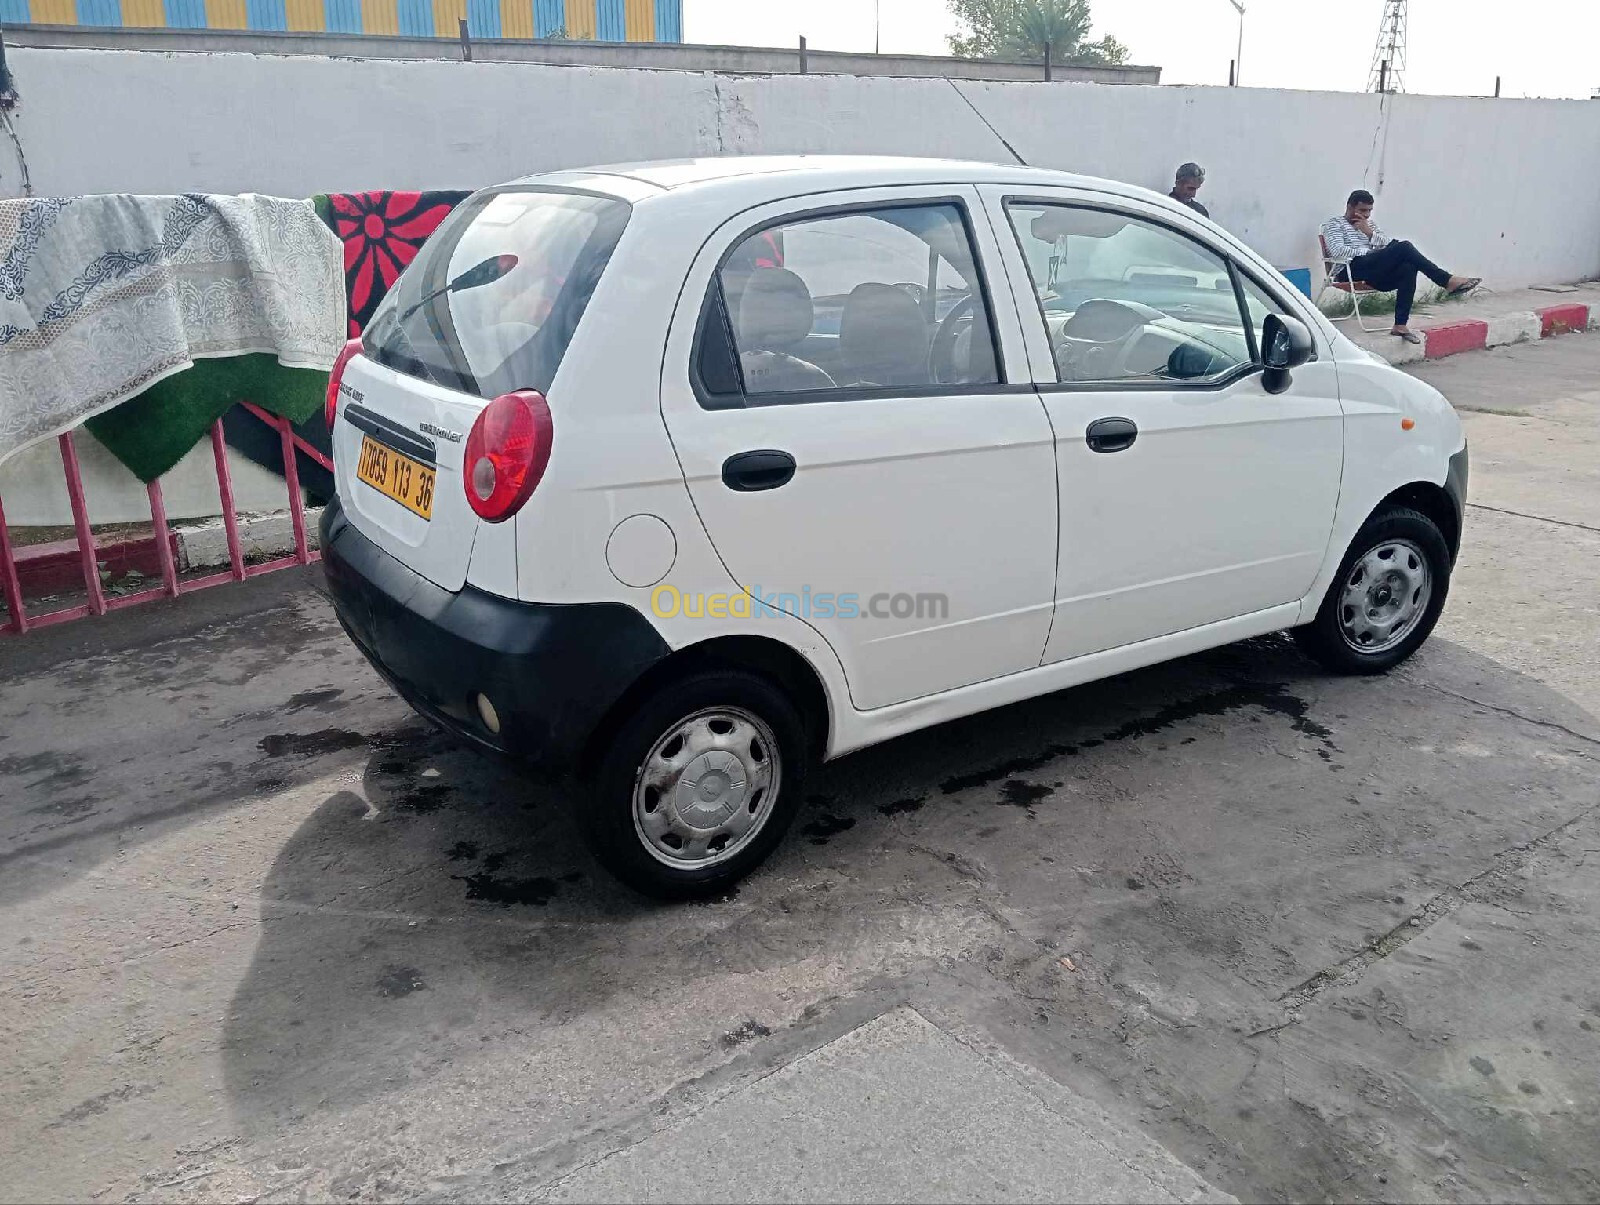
(552,672)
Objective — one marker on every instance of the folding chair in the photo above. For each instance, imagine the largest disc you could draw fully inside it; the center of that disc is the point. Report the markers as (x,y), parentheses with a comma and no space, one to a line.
(1336,275)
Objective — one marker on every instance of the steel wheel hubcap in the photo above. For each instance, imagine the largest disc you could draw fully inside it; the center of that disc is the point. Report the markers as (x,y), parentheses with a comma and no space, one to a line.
(706,788)
(1385,596)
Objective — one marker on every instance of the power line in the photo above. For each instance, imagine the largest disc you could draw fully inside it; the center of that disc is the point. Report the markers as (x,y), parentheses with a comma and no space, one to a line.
(978,113)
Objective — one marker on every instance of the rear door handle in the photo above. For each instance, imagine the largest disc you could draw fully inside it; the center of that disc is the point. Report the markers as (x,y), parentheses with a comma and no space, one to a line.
(1111,434)
(763,469)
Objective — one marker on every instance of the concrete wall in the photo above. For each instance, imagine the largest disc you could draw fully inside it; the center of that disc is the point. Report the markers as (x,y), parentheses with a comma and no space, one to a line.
(652,56)
(1509,189)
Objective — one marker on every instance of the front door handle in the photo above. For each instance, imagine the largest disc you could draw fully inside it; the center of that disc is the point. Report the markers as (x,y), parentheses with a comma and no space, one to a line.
(1111,434)
(763,469)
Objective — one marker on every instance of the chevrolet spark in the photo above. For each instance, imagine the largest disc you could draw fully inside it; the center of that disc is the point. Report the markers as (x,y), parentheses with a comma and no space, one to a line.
(676,478)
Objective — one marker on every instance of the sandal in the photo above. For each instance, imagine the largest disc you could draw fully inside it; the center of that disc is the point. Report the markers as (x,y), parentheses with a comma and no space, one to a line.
(1408,336)
(1465,287)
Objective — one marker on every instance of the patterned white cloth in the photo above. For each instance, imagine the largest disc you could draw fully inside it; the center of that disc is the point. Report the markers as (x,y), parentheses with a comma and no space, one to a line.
(102,296)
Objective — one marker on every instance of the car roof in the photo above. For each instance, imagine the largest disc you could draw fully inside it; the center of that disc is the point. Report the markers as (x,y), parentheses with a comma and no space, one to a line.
(794,175)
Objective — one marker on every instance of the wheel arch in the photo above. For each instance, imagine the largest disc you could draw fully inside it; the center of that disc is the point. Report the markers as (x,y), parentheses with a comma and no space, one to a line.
(1435,502)
(762,655)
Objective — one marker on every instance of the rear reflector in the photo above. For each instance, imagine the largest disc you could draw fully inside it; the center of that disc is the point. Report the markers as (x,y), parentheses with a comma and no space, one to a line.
(507,451)
(348,352)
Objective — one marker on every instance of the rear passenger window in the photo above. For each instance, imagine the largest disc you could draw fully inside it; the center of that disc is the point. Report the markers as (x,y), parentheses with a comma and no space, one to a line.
(882,299)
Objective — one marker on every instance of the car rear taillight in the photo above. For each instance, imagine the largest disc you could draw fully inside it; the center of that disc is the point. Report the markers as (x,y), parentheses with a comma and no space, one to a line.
(347,353)
(507,451)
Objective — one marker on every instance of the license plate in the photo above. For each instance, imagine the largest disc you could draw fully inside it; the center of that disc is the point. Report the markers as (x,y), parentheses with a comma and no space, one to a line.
(407,481)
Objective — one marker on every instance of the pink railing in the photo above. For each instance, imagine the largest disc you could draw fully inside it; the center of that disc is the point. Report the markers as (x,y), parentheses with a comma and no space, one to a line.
(19,621)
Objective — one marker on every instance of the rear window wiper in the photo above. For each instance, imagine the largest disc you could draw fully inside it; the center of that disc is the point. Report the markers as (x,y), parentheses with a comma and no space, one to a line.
(475,277)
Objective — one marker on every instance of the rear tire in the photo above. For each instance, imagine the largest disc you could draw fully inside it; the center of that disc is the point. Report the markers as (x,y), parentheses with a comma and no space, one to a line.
(1385,599)
(697,786)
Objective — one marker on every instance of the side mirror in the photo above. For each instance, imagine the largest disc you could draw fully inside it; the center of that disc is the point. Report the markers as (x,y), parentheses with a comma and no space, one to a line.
(1286,344)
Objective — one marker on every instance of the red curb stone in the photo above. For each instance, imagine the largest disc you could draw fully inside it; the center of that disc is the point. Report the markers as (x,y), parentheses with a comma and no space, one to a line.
(1560,319)
(52,568)
(1455,337)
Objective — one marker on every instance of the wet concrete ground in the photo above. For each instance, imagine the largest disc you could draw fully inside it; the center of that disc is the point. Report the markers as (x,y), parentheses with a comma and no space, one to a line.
(262,933)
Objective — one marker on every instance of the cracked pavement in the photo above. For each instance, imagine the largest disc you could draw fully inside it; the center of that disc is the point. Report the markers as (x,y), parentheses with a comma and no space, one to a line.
(1223,927)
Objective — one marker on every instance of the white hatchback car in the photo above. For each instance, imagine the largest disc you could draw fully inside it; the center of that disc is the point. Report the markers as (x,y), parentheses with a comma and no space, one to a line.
(681,476)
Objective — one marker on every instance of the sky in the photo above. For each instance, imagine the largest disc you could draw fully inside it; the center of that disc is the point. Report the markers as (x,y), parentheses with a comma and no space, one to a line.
(1456,47)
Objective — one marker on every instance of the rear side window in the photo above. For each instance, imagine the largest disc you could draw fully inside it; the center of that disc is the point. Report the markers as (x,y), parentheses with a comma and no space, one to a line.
(872,300)
(491,302)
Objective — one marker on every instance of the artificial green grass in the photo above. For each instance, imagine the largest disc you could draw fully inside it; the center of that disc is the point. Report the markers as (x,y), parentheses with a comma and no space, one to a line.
(151,432)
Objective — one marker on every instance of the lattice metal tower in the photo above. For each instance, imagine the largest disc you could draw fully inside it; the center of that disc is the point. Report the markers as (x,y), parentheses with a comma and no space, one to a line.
(1391,49)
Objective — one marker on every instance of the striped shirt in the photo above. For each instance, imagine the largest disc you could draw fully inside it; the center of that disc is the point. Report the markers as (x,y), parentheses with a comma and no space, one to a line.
(1346,242)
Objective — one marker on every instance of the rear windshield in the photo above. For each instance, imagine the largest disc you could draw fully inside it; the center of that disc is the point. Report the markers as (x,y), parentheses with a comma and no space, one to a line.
(491,301)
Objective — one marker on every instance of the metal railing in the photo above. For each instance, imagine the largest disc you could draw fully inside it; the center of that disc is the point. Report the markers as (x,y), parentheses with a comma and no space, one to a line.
(19,621)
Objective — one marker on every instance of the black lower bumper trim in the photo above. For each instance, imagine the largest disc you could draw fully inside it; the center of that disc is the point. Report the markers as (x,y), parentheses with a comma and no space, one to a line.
(551,671)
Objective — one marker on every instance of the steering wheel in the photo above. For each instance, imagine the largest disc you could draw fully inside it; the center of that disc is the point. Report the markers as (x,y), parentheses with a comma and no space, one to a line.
(1096,342)
(942,367)
(1092,360)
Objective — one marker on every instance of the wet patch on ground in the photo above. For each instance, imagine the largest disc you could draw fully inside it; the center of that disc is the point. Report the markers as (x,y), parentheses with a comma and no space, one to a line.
(534,893)
(46,771)
(1019,794)
(1274,698)
(421,800)
(315,700)
(311,744)
(902,807)
(826,826)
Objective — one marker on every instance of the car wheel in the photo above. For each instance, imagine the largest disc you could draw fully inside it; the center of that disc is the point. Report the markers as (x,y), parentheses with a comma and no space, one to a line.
(1386,597)
(697,786)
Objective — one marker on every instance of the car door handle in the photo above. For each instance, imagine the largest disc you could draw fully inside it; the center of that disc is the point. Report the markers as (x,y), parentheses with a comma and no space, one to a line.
(1111,434)
(763,469)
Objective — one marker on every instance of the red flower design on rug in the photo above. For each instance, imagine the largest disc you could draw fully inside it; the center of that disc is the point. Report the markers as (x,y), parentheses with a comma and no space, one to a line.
(382,232)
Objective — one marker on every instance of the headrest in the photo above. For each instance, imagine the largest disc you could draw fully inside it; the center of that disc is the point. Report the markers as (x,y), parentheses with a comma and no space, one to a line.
(775,311)
(882,334)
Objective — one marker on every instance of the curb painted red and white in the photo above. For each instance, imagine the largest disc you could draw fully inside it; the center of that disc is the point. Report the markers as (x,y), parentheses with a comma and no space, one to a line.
(1475,334)
(48,569)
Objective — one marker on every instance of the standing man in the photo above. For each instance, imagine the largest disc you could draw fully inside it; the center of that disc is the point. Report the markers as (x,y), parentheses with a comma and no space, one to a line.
(1190,177)
(1386,265)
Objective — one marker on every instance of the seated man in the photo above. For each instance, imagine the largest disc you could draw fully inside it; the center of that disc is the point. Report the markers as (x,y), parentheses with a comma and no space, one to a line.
(1385,265)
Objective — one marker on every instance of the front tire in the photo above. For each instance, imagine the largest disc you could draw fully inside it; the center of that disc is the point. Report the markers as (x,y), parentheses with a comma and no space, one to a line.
(1385,599)
(697,786)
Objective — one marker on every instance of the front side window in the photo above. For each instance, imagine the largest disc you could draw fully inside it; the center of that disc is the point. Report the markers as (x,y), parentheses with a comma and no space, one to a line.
(871,299)
(1258,304)
(1126,300)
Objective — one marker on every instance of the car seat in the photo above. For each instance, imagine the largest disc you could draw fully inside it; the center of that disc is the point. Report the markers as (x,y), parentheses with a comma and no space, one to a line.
(775,316)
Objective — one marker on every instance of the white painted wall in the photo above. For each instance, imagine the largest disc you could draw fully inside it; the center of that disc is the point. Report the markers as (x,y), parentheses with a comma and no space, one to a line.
(1506,189)
(1509,189)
